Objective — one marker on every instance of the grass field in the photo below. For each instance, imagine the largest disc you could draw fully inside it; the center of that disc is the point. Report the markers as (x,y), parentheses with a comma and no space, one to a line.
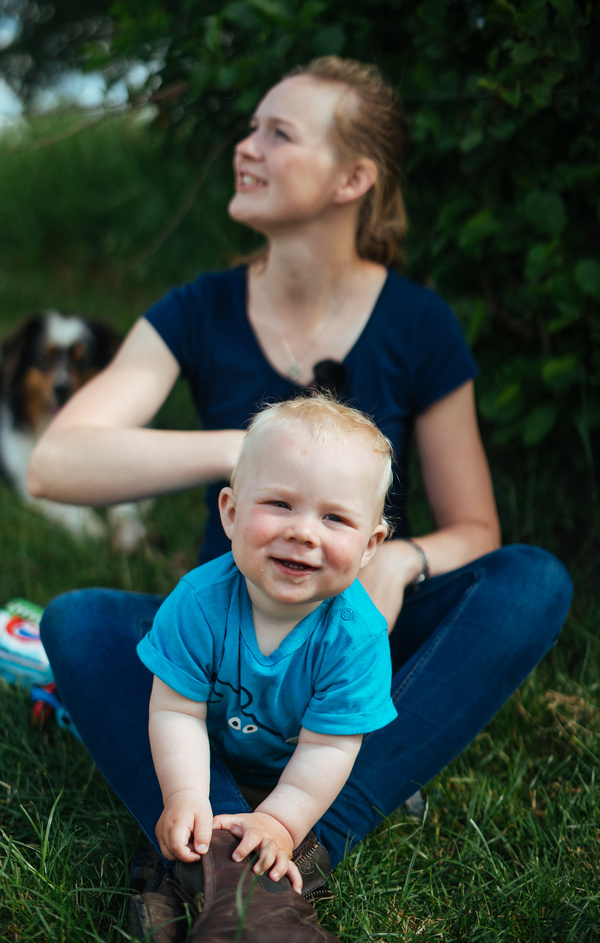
(509,849)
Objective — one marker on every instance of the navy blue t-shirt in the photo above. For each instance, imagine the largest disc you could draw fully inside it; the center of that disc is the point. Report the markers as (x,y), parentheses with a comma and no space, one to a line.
(411,353)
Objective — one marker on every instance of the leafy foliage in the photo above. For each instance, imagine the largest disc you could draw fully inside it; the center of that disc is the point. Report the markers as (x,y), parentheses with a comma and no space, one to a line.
(49,39)
(93,201)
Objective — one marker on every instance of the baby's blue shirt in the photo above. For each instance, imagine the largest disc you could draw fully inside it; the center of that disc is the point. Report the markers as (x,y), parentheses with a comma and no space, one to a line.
(331,674)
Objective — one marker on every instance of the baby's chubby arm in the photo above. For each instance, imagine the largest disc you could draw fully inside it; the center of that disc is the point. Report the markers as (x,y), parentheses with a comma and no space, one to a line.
(181,754)
(315,774)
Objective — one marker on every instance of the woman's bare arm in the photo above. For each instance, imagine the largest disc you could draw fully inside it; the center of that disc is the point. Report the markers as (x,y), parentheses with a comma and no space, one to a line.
(459,487)
(97,451)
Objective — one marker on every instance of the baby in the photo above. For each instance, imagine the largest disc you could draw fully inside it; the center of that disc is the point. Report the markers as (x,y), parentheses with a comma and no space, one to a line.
(273,656)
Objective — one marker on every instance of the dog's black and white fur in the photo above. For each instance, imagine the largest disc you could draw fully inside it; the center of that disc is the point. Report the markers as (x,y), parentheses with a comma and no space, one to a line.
(47,359)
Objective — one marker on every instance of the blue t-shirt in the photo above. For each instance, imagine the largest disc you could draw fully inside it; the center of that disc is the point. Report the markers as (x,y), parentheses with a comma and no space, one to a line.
(411,353)
(331,674)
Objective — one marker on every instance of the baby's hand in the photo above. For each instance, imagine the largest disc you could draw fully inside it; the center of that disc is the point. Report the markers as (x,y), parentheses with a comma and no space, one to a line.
(261,831)
(185,827)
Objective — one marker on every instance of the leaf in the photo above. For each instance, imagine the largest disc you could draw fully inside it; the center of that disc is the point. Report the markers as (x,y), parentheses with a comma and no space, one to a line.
(512,95)
(503,130)
(553,73)
(560,373)
(546,210)
(541,94)
(566,8)
(274,9)
(502,404)
(478,227)
(427,122)
(587,276)
(523,54)
(538,424)
(471,140)
(570,52)
(540,261)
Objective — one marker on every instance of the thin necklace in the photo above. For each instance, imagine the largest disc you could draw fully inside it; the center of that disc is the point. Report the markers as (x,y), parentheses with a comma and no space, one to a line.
(295,369)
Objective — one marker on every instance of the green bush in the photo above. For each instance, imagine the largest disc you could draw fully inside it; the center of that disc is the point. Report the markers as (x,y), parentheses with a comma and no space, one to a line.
(96,201)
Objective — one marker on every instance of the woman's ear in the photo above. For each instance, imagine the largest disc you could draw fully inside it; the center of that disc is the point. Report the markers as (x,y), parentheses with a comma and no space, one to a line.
(227,510)
(360,176)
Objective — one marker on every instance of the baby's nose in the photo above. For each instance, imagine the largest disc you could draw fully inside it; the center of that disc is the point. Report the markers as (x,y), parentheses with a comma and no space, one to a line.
(303,531)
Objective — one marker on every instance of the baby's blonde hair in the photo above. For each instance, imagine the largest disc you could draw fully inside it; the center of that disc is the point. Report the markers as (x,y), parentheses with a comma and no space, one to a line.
(328,421)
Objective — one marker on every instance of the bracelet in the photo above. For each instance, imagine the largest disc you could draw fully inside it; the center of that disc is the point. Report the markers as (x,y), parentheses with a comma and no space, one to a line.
(424,574)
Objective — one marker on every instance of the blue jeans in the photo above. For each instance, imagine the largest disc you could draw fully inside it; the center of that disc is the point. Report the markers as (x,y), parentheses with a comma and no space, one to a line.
(463,643)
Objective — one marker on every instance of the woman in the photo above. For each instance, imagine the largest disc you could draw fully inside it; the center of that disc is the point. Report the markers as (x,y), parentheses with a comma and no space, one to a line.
(318,176)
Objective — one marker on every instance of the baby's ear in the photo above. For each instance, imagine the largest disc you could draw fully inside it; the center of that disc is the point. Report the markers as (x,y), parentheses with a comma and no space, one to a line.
(227,510)
(377,537)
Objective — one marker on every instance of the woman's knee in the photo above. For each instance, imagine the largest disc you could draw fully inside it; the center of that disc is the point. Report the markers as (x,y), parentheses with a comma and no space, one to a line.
(60,615)
(90,619)
(537,569)
(537,585)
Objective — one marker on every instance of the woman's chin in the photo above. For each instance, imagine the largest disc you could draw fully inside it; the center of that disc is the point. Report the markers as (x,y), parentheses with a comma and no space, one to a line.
(247,216)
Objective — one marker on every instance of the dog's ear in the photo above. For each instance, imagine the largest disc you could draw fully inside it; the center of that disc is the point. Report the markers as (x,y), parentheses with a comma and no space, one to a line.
(106,342)
(14,349)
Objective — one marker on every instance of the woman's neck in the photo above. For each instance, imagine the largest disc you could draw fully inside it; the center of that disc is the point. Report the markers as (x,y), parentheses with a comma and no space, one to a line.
(310,263)
(305,281)
(308,307)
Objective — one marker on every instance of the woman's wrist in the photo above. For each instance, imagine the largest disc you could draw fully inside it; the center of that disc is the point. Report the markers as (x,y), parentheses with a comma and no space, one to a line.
(423,572)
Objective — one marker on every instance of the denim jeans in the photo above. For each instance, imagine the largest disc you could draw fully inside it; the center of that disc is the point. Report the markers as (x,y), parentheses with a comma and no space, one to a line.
(463,643)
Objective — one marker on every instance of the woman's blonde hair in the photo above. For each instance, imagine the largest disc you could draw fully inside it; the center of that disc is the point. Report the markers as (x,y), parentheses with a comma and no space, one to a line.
(328,421)
(370,123)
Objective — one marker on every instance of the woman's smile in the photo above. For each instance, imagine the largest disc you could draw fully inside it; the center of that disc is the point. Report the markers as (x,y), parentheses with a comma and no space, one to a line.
(248,180)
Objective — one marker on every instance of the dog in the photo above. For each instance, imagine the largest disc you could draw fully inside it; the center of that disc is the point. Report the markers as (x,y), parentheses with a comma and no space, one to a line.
(44,362)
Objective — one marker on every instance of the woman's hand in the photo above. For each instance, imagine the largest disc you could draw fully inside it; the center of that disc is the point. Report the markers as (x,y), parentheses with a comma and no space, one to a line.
(262,832)
(185,827)
(387,575)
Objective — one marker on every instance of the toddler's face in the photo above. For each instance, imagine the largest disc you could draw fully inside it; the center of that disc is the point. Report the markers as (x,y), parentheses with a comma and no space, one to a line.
(302,520)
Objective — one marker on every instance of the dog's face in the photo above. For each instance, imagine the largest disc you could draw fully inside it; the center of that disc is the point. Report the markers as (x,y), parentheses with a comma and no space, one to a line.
(48,359)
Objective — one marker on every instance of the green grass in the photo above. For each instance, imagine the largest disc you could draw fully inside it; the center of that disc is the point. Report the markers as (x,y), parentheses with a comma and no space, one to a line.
(509,851)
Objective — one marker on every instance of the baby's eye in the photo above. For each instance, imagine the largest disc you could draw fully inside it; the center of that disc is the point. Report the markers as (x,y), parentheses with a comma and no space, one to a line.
(281,134)
(335,518)
(279,504)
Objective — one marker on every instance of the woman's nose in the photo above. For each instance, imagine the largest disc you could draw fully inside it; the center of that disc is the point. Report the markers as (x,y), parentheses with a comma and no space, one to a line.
(248,147)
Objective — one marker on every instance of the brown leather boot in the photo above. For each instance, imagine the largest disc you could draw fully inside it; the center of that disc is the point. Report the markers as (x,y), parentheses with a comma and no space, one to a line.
(158,914)
(238,906)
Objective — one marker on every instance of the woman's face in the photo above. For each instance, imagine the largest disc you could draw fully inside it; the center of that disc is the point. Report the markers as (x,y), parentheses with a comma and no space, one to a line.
(287,170)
